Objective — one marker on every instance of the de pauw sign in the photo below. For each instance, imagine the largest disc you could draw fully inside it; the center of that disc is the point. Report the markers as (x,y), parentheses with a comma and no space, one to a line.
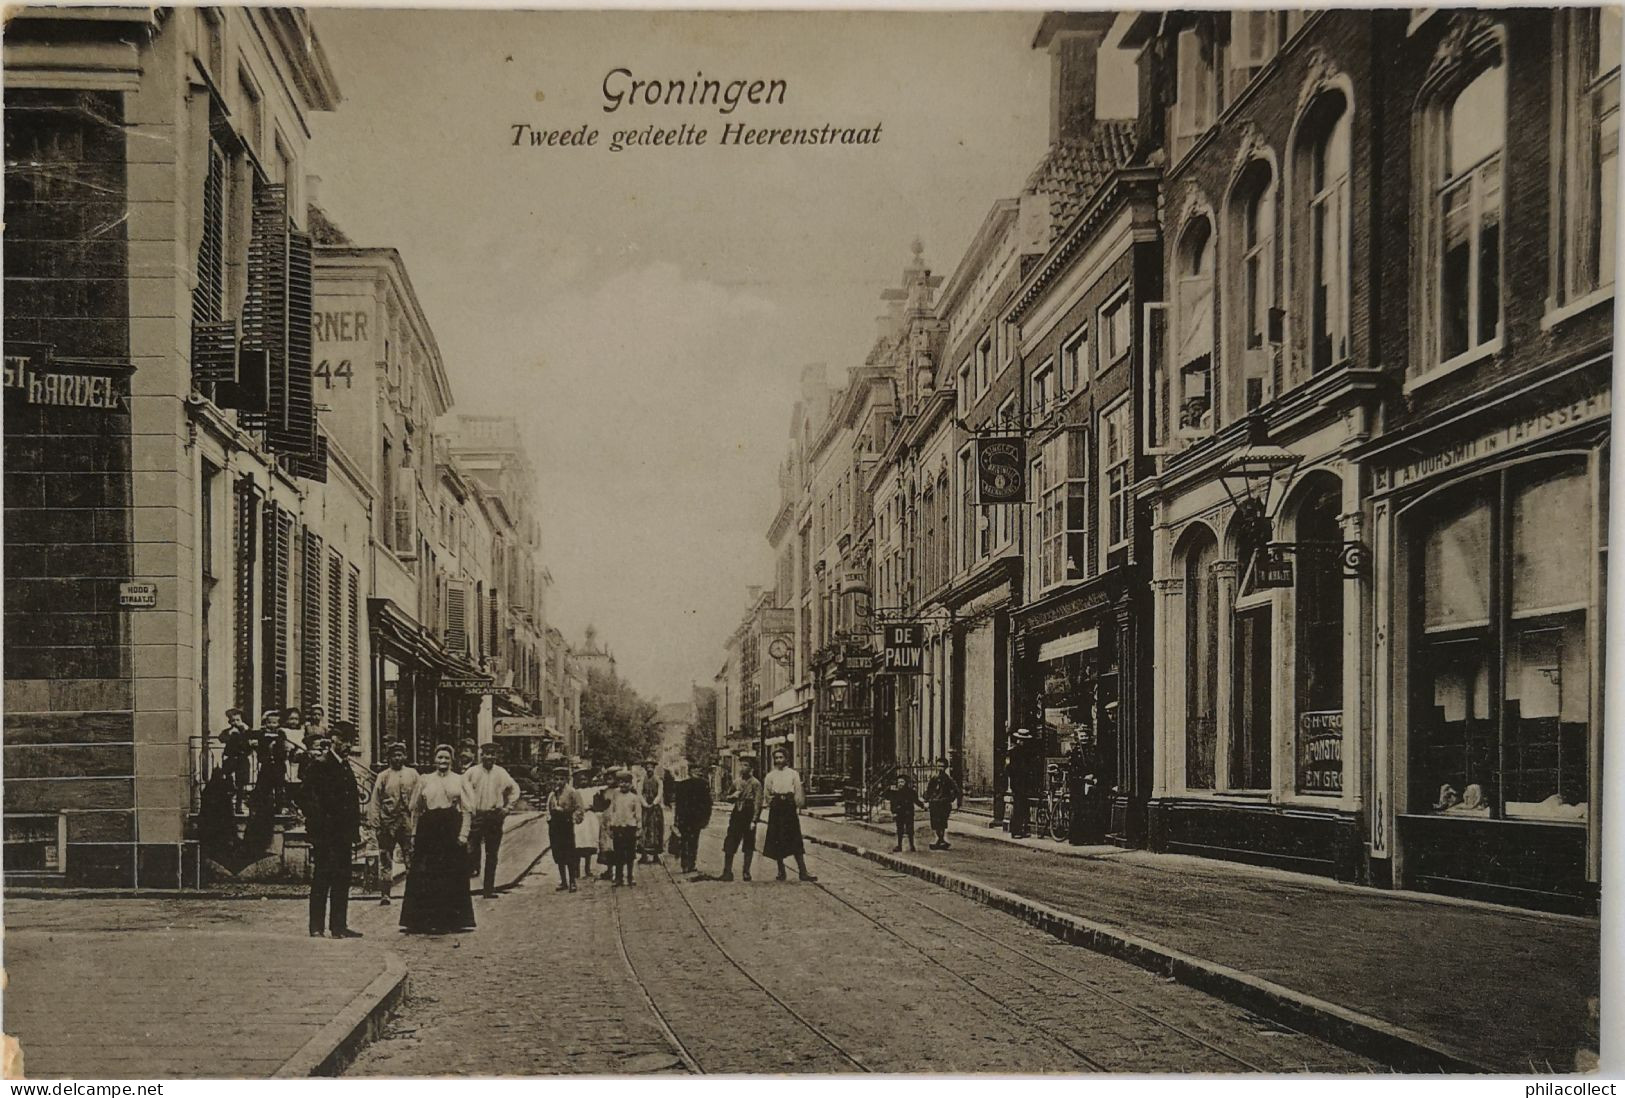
(904,650)
(1000,470)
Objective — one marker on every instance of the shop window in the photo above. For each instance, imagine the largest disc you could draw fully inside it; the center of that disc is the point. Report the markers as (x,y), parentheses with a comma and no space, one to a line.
(1500,711)
(970,515)
(1321,161)
(1192,398)
(1318,612)
(1201,661)
(1588,169)
(1254,324)
(1464,135)
(1251,696)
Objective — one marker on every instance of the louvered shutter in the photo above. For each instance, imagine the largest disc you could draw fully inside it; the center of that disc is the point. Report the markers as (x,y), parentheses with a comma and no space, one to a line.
(263,364)
(292,412)
(243,609)
(335,634)
(312,466)
(310,620)
(493,636)
(353,610)
(456,633)
(278,534)
(405,510)
(214,337)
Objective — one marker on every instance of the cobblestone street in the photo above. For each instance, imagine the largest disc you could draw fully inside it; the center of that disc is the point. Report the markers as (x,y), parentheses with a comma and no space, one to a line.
(866,970)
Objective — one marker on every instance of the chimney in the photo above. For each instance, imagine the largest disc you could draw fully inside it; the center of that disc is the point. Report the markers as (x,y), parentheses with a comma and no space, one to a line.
(1073,40)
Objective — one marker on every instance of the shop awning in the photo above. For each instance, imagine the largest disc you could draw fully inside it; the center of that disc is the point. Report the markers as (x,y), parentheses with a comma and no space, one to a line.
(1086,640)
(401,638)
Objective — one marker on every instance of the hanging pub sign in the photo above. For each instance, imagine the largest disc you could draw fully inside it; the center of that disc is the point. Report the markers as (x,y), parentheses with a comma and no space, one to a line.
(1001,470)
(1320,752)
(904,650)
(34,375)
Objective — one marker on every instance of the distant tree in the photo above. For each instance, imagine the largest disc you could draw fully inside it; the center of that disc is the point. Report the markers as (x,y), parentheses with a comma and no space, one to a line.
(617,725)
(700,745)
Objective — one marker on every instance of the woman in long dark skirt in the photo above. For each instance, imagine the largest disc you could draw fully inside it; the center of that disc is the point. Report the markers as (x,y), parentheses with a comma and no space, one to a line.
(783,793)
(437,899)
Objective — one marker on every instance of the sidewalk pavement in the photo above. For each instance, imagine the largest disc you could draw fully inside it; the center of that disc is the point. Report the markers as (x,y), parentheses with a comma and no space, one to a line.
(1432,980)
(198,986)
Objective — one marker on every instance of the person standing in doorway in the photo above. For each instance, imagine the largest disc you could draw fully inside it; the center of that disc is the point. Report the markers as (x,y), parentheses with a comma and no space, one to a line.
(693,796)
(392,795)
(492,794)
(783,793)
(625,816)
(437,899)
(942,794)
(742,821)
(564,811)
(652,833)
(903,800)
(332,823)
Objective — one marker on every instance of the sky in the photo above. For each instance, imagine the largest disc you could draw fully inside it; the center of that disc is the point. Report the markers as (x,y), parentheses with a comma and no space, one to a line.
(645,315)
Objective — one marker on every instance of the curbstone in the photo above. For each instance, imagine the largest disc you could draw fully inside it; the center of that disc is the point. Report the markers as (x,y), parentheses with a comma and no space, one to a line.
(333,1048)
(1397,1046)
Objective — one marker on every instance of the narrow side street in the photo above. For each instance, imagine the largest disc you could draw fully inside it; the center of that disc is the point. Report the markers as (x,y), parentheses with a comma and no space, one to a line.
(865,970)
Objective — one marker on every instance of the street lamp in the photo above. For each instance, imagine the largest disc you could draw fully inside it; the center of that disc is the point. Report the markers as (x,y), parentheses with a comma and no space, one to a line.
(1252,479)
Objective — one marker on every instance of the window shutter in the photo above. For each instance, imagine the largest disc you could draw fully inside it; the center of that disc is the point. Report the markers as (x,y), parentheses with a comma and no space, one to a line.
(493,636)
(456,617)
(214,338)
(1157,391)
(263,361)
(310,620)
(353,609)
(292,421)
(278,535)
(312,466)
(243,610)
(335,634)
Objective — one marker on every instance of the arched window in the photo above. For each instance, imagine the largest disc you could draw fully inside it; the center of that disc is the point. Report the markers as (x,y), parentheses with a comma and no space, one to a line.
(1253,336)
(1318,611)
(1193,399)
(1201,659)
(1321,222)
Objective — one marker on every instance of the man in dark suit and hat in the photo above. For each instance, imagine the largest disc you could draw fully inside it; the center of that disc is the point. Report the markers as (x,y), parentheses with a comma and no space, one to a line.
(1023,767)
(332,811)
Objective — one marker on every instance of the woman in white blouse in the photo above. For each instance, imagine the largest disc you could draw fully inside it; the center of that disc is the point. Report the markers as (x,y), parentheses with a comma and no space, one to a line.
(782,793)
(437,899)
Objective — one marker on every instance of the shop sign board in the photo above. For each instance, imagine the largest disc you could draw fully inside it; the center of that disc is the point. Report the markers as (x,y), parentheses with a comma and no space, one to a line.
(1271,568)
(904,651)
(1001,465)
(1320,752)
(854,581)
(1526,428)
(848,724)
